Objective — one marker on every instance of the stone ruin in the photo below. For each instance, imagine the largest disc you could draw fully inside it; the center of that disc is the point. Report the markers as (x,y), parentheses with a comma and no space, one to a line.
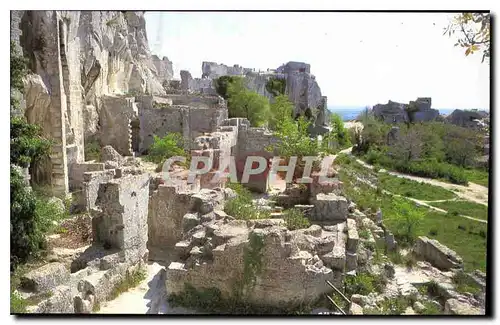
(394,112)
(109,88)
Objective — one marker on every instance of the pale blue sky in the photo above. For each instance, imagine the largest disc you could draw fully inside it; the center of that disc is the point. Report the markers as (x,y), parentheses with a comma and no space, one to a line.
(358,58)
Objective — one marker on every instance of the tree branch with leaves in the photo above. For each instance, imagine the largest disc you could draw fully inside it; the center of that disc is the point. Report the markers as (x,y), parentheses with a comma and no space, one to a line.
(473,32)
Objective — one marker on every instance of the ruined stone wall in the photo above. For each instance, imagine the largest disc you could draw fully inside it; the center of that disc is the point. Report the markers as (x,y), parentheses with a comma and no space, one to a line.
(123,220)
(115,117)
(189,121)
(290,271)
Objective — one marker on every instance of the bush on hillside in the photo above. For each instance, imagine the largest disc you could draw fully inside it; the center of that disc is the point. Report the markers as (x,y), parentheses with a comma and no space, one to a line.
(166,147)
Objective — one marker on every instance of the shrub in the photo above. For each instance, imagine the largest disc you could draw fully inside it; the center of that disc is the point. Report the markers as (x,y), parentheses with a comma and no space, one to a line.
(26,237)
(406,219)
(464,284)
(166,147)
(295,219)
(242,207)
(276,86)
(92,150)
(281,111)
(364,284)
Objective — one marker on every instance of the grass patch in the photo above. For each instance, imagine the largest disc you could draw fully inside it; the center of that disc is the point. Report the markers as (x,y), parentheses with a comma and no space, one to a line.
(295,219)
(131,280)
(430,309)
(477,176)
(469,241)
(467,208)
(364,233)
(364,284)
(92,151)
(241,207)
(413,189)
(464,284)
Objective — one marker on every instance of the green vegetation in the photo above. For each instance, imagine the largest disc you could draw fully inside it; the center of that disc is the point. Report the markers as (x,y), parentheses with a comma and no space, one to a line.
(466,237)
(242,102)
(464,284)
(478,176)
(242,207)
(473,33)
(281,112)
(92,150)
(276,86)
(397,305)
(339,134)
(364,284)
(169,146)
(432,149)
(131,280)
(26,223)
(295,219)
(467,208)
(413,189)
(252,267)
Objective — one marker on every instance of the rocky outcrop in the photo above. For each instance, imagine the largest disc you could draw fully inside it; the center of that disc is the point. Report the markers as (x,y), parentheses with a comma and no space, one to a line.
(394,112)
(164,68)
(266,263)
(468,118)
(301,86)
(437,254)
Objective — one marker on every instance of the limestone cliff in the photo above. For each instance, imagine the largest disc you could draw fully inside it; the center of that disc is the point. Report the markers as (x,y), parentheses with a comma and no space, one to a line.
(76,58)
(301,86)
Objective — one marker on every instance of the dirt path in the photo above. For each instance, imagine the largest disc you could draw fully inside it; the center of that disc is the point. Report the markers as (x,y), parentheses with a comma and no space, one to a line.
(419,202)
(149,297)
(474,192)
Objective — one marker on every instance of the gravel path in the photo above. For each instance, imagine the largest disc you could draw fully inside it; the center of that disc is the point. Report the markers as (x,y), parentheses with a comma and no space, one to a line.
(149,297)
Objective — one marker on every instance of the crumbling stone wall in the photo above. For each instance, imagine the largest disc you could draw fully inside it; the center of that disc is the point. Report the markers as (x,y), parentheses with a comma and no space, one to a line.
(115,117)
(122,220)
(259,262)
(189,121)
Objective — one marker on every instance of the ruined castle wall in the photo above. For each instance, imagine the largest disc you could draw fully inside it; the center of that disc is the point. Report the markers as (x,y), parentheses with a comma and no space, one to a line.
(122,220)
(187,120)
(90,187)
(115,117)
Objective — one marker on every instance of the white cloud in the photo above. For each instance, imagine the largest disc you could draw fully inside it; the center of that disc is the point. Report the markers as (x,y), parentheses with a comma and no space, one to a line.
(358,58)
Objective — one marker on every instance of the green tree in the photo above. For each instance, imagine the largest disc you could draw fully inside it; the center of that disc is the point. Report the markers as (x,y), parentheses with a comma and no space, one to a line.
(407,218)
(462,146)
(281,110)
(248,104)
(222,83)
(276,86)
(473,31)
(341,134)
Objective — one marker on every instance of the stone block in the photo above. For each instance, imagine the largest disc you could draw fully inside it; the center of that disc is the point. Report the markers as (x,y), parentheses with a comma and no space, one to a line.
(329,207)
(45,278)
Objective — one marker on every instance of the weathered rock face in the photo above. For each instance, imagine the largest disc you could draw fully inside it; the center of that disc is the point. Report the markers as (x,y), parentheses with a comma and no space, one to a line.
(270,265)
(77,57)
(437,254)
(394,112)
(467,118)
(164,69)
(302,88)
(118,42)
(45,278)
